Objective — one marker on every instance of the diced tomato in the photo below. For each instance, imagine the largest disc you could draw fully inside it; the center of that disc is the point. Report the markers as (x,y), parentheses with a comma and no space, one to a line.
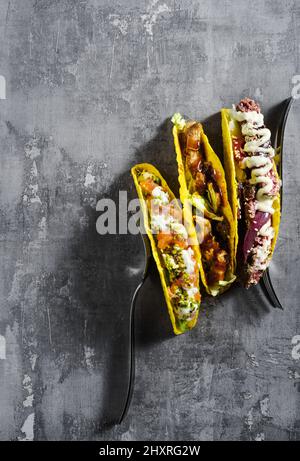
(177,283)
(181,243)
(164,239)
(197,297)
(148,185)
(172,289)
(194,278)
(171,294)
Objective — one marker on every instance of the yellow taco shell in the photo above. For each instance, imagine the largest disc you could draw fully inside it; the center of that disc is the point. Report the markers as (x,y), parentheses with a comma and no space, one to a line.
(159,263)
(234,175)
(186,188)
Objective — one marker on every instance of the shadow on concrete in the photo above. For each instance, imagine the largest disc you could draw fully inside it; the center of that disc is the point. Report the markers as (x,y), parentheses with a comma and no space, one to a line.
(108,268)
(152,324)
(213,130)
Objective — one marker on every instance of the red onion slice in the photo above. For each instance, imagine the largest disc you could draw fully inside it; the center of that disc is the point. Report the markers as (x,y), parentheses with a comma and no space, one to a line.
(259,220)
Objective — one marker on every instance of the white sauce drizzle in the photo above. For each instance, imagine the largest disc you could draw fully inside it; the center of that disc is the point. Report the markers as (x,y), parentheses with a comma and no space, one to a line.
(267,230)
(188,260)
(251,116)
(191,292)
(255,138)
(260,162)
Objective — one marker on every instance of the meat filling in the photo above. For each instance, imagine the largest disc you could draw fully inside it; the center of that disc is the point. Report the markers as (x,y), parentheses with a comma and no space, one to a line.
(213,237)
(254,154)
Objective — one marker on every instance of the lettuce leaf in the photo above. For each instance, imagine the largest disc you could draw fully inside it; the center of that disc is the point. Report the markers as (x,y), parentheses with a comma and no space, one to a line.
(178,121)
(203,205)
(215,290)
(213,198)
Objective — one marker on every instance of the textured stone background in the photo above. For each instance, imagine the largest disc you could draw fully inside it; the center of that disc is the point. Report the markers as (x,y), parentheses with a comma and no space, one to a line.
(90,87)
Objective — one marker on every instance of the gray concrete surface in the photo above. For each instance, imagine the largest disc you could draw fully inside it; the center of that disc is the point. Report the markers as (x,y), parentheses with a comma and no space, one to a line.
(90,86)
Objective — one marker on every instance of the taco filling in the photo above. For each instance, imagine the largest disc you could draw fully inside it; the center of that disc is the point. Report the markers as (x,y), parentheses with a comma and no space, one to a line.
(259,186)
(206,195)
(176,254)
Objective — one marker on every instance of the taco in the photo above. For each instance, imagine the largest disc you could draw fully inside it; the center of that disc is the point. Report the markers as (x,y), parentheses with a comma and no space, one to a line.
(174,246)
(203,186)
(254,187)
